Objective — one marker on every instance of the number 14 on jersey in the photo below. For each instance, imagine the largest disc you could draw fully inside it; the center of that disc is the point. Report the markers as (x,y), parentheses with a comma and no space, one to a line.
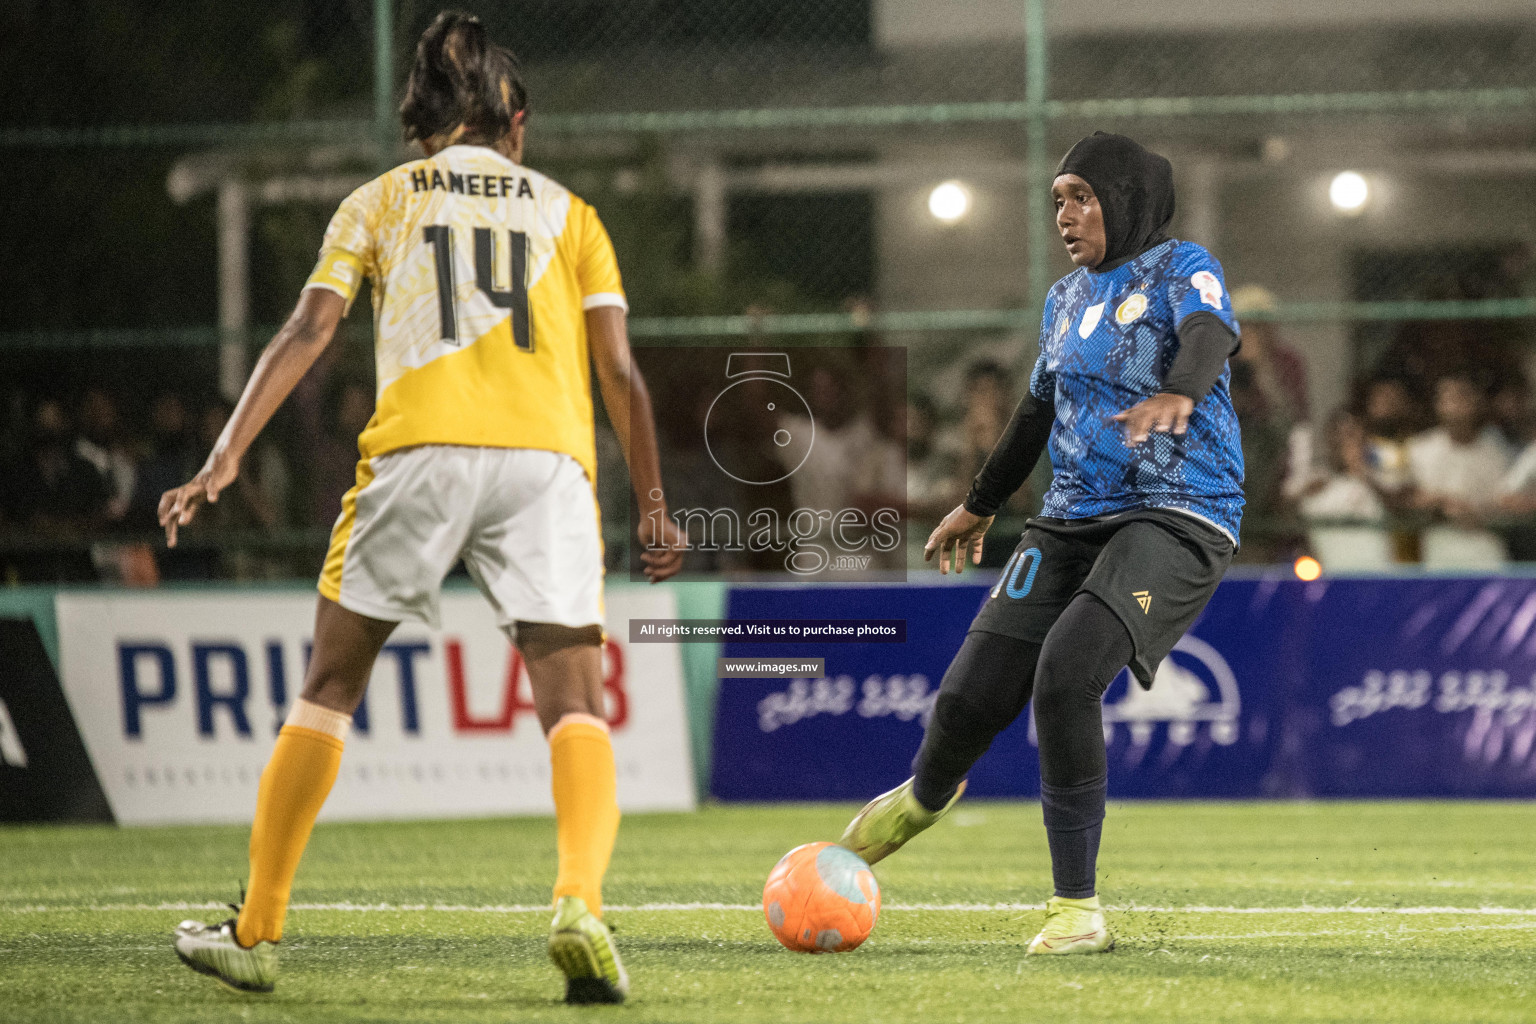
(515,299)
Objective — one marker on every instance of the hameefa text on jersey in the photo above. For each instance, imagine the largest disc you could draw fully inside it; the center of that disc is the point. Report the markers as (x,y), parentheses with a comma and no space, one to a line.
(490,186)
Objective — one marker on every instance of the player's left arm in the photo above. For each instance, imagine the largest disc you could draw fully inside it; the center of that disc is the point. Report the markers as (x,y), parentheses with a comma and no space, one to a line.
(625,395)
(1207,336)
(284,362)
(628,402)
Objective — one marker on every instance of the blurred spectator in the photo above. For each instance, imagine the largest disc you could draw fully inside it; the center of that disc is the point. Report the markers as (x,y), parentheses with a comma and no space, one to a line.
(257,502)
(1265,444)
(1512,411)
(930,490)
(1458,470)
(828,477)
(986,406)
(335,454)
(258,498)
(1517,503)
(58,491)
(1341,504)
(1279,371)
(101,445)
(1391,420)
(173,458)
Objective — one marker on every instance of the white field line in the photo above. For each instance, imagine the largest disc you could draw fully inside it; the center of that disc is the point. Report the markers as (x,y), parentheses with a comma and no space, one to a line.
(1399,932)
(524,908)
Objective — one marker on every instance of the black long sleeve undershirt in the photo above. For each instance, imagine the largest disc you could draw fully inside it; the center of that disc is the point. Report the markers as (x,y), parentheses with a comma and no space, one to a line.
(1205,343)
(1013,457)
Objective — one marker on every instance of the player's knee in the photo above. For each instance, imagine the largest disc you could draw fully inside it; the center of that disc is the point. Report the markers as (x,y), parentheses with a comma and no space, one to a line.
(542,639)
(336,687)
(1058,687)
(967,722)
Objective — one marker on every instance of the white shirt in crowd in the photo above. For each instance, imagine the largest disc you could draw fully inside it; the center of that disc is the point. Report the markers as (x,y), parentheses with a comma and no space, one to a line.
(1345,498)
(1521,477)
(1473,472)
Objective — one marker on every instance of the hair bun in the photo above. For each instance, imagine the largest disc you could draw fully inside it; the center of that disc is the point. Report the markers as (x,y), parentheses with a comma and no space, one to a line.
(461,80)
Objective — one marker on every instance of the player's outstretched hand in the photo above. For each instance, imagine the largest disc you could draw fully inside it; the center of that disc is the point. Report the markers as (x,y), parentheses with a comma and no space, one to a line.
(178,506)
(958,536)
(664,548)
(1164,414)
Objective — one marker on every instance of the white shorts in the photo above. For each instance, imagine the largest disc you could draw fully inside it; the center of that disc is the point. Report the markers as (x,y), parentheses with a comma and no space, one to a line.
(524,520)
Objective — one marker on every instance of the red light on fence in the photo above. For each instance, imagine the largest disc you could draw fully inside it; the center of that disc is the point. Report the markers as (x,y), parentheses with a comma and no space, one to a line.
(1308,568)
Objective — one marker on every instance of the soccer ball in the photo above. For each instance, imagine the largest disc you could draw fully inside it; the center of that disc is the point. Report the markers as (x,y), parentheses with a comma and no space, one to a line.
(821,898)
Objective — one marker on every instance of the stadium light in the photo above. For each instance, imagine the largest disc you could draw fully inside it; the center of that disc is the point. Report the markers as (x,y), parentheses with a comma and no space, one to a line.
(949,202)
(1348,192)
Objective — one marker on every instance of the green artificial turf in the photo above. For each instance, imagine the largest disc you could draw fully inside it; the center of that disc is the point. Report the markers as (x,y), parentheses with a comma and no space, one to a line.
(1225,912)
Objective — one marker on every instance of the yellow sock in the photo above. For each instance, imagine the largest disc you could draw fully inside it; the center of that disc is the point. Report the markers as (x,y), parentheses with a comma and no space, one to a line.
(586,806)
(293,788)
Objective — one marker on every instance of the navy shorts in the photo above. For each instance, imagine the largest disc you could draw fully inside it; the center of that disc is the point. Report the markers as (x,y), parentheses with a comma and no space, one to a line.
(1154,568)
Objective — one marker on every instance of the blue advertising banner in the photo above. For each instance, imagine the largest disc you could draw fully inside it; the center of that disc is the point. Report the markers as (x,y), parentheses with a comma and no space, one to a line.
(1360,687)
(1415,688)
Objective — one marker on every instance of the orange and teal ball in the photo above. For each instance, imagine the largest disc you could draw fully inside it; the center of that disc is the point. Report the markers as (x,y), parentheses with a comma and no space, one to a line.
(821,898)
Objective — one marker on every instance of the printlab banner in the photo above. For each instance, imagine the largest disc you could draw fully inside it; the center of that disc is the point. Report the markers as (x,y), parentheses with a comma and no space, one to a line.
(1385,687)
(178,698)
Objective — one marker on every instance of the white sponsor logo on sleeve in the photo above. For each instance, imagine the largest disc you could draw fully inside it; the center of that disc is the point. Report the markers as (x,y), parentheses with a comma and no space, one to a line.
(1209,287)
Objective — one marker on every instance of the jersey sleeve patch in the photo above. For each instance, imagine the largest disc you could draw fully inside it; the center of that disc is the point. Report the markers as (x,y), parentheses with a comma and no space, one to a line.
(338,271)
(1209,287)
(347,254)
(1196,284)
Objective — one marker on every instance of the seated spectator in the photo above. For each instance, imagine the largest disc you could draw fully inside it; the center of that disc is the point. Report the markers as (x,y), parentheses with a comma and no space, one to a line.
(258,499)
(1391,420)
(1265,445)
(57,493)
(99,443)
(1341,504)
(1458,469)
(987,404)
(172,458)
(1512,411)
(335,454)
(1279,371)
(931,491)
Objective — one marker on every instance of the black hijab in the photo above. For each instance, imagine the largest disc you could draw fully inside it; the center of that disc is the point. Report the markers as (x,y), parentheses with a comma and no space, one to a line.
(1135,190)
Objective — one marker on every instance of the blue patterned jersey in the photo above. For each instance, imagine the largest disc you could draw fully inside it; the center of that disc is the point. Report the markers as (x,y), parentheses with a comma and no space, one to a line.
(1106,342)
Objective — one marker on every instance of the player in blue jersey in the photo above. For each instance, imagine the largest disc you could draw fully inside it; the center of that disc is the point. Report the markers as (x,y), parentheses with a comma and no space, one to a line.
(1130,393)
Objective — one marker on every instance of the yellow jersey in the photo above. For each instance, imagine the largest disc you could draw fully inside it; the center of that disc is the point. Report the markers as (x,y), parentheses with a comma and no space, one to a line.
(482,271)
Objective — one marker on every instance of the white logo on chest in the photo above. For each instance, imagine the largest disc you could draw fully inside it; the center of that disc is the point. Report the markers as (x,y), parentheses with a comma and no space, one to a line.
(1091,318)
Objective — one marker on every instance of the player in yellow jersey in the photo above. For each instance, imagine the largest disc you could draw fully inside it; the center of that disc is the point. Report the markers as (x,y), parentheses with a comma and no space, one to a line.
(494,289)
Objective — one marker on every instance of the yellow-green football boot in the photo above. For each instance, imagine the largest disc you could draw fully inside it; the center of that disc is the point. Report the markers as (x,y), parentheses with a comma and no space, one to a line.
(212,949)
(582,947)
(1072,926)
(889,820)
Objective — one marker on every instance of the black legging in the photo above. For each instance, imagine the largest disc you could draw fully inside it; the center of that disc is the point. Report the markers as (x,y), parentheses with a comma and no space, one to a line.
(991,681)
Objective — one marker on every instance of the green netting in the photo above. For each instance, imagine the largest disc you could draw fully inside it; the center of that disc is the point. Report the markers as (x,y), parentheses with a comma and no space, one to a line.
(766,169)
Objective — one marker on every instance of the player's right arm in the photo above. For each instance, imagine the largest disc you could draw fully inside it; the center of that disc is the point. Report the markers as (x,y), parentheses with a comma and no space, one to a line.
(287,358)
(346,258)
(1013,458)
